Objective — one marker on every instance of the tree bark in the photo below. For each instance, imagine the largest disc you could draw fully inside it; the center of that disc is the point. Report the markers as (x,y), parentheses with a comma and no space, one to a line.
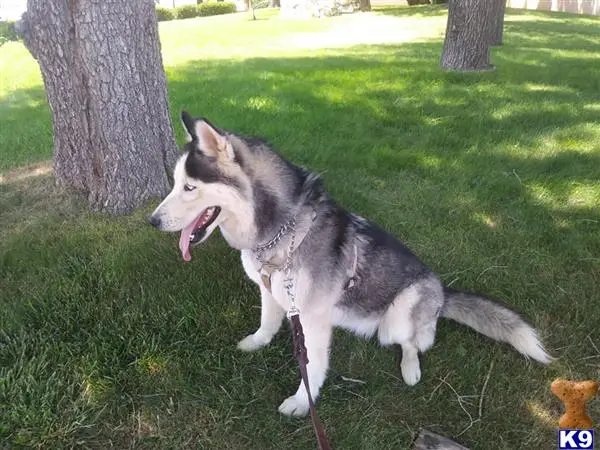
(364,5)
(466,46)
(497,32)
(105,83)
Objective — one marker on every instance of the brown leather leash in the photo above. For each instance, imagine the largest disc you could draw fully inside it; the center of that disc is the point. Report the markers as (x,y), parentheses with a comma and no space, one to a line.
(301,355)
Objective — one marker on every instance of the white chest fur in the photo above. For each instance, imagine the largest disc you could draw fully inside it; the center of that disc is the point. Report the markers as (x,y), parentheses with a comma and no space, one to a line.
(277,291)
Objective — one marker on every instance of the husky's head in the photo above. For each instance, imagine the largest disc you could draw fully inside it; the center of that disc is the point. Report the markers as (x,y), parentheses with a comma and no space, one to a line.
(209,188)
(239,184)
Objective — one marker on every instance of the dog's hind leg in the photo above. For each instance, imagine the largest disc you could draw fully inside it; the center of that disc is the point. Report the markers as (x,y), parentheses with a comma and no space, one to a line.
(317,338)
(410,365)
(271,317)
(411,322)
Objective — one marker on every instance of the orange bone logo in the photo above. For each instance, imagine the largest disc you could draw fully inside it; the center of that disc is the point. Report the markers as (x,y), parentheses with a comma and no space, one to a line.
(575,395)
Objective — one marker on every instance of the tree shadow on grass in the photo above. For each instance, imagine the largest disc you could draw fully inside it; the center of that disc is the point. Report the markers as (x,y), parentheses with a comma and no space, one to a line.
(406,115)
(564,32)
(490,178)
(413,11)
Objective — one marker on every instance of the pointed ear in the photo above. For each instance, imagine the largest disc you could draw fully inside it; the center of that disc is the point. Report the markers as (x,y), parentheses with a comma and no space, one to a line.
(211,142)
(188,125)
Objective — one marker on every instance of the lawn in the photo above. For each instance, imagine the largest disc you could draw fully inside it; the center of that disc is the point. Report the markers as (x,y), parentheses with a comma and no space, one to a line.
(107,339)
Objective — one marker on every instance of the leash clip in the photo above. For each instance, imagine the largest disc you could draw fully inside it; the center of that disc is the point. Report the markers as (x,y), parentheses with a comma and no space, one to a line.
(292,312)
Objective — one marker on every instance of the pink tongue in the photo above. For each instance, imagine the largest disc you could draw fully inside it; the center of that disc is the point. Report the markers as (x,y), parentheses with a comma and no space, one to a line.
(184,239)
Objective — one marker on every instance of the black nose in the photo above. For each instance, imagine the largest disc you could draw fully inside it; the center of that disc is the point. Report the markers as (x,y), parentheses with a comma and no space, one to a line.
(154,221)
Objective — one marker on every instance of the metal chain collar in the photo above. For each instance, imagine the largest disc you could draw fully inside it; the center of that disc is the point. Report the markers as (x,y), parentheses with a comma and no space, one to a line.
(288,281)
(261,249)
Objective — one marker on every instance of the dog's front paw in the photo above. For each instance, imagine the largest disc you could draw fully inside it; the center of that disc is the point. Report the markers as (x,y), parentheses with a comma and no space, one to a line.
(292,406)
(251,343)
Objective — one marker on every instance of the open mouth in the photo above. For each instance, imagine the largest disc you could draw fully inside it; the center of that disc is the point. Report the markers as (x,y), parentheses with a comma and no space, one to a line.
(203,221)
(195,231)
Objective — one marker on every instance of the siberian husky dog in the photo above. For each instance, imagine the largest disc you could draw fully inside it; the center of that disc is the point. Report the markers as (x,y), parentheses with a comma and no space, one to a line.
(296,241)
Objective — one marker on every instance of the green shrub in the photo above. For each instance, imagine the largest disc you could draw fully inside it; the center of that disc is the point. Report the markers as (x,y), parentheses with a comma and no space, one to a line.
(186,11)
(164,14)
(216,8)
(8,32)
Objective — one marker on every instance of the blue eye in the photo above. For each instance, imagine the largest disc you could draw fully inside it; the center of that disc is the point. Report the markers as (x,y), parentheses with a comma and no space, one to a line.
(188,187)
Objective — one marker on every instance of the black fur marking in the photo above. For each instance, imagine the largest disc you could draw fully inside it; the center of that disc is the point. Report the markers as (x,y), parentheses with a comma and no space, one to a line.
(341,236)
(308,187)
(314,188)
(253,142)
(188,123)
(205,168)
(238,158)
(402,267)
(190,147)
(269,213)
(299,179)
(200,166)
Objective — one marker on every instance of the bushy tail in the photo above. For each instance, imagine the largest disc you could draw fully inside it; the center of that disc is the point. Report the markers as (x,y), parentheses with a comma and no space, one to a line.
(495,321)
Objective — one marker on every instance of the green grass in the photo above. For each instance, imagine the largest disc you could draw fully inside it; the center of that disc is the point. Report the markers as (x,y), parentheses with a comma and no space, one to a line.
(108,339)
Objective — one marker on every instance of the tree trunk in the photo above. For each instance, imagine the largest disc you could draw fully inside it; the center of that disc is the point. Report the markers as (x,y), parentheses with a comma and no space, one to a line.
(497,31)
(364,5)
(105,83)
(466,46)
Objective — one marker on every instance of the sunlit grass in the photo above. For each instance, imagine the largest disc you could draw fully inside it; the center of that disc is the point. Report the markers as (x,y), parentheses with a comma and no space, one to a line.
(108,339)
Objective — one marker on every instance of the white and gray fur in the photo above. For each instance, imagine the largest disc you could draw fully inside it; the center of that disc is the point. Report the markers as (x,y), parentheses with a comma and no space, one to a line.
(392,294)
